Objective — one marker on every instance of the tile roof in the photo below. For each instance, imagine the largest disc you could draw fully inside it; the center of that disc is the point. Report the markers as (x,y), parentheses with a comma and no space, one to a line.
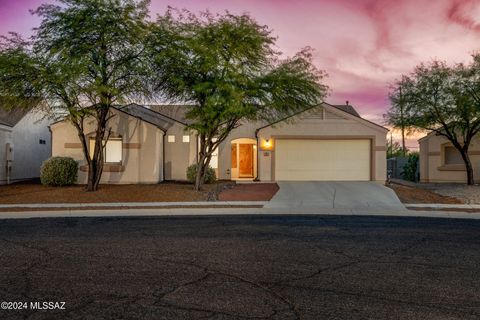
(143,113)
(347,108)
(12,117)
(176,112)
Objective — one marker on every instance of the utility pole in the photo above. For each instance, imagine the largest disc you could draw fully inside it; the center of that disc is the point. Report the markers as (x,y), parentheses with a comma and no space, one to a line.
(402,123)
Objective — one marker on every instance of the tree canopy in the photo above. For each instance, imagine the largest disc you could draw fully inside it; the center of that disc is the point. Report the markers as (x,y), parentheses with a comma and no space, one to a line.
(227,67)
(88,55)
(442,99)
(85,56)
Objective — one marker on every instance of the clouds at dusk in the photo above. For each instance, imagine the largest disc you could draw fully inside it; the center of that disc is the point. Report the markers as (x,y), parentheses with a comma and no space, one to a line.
(363,44)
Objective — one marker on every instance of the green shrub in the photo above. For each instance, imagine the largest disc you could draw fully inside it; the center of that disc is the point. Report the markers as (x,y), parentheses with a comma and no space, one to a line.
(210,175)
(59,171)
(410,168)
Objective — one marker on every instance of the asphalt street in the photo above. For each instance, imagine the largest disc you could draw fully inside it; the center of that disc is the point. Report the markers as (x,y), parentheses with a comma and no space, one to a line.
(242,267)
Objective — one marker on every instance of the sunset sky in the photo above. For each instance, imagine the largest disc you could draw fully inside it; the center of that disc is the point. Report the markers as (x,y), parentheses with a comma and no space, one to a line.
(362,44)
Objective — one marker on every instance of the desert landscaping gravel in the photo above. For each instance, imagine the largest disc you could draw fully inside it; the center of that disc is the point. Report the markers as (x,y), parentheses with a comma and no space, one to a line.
(468,194)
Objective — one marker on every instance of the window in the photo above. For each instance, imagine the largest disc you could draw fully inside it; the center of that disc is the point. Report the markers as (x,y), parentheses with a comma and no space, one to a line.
(186,139)
(452,156)
(112,152)
(214,159)
(171,138)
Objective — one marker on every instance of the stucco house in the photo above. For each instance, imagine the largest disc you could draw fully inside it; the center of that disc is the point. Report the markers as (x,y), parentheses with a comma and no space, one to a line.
(24,144)
(151,144)
(441,162)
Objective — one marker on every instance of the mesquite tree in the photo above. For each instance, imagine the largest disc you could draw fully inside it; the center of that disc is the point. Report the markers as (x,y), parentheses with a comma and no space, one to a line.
(226,66)
(85,56)
(443,99)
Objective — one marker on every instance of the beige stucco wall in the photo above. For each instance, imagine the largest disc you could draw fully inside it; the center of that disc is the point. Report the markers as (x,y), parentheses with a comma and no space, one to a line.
(320,124)
(432,165)
(179,155)
(5,137)
(142,153)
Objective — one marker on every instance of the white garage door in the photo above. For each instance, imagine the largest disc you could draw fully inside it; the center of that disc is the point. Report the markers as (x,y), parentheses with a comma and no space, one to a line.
(326,160)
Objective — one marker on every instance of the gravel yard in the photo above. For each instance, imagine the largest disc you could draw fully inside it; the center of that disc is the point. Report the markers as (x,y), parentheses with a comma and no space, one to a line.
(162,192)
(34,192)
(468,194)
(409,194)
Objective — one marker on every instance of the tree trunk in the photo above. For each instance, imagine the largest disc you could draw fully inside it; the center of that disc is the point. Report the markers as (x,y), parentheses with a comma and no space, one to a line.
(95,169)
(200,164)
(468,166)
(206,151)
(199,178)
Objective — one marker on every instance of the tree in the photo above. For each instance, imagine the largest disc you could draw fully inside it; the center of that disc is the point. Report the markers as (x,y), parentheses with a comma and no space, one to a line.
(394,149)
(225,65)
(397,99)
(86,56)
(445,100)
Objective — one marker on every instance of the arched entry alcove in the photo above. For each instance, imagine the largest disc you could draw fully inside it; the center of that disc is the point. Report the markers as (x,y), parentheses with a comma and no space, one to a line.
(244,159)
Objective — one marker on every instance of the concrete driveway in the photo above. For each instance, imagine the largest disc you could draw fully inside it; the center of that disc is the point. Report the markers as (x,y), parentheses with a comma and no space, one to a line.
(334,194)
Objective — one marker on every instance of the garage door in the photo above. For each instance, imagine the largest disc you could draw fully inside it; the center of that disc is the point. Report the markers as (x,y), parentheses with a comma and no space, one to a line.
(326,160)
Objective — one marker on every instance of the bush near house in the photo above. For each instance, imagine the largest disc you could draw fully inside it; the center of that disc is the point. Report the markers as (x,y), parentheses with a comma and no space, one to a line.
(210,176)
(59,171)
(410,168)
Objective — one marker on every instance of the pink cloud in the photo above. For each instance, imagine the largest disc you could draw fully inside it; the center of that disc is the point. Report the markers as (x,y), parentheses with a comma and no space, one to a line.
(363,44)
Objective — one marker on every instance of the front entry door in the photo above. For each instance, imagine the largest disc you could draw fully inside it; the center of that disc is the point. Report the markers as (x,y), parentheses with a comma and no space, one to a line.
(245,161)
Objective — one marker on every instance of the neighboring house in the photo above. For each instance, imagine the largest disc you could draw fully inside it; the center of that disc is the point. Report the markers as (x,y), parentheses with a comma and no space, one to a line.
(441,162)
(149,145)
(24,144)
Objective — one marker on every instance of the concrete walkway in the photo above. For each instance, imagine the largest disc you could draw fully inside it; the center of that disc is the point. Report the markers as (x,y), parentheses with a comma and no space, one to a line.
(348,195)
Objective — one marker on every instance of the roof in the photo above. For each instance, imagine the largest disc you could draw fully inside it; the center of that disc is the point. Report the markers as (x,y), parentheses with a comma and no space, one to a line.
(175,112)
(12,117)
(157,119)
(346,108)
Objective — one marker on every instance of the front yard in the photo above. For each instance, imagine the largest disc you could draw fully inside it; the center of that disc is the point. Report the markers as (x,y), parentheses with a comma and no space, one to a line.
(443,193)
(24,193)
(410,195)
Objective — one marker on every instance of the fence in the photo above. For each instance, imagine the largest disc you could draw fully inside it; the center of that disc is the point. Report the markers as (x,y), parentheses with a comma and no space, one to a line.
(395,168)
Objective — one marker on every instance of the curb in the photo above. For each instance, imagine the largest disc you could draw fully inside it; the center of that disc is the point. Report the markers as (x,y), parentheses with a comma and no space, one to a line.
(192,204)
(442,206)
(198,212)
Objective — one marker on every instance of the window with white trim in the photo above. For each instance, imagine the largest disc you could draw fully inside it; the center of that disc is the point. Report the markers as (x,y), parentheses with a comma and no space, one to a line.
(112,152)
(171,138)
(186,139)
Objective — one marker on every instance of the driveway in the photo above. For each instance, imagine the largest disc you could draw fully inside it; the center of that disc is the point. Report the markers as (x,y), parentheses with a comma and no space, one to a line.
(252,267)
(334,194)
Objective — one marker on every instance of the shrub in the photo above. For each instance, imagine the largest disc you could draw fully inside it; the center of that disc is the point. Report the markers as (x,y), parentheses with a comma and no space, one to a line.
(410,168)
(210,175)
(59,171)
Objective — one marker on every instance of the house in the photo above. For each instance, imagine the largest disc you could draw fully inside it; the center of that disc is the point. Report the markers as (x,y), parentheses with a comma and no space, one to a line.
(152,144)
(441,162)
(24,144)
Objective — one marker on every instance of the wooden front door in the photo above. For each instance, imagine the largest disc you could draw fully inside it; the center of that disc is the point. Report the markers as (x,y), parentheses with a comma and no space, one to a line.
(245,160)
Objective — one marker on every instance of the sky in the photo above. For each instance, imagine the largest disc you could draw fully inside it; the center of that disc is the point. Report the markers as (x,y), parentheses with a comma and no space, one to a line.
(363,45)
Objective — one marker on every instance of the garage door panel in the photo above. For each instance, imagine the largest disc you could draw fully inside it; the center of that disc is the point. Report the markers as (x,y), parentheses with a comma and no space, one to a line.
(340,160)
